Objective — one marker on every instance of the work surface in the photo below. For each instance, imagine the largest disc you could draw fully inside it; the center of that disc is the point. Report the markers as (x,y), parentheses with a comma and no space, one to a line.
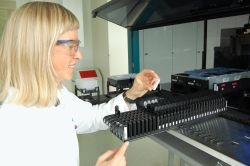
(217,141)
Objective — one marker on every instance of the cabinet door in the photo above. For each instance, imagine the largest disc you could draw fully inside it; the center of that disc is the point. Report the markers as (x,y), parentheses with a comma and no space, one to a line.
(185,47)
(200,44)
(157,51)
(172,49)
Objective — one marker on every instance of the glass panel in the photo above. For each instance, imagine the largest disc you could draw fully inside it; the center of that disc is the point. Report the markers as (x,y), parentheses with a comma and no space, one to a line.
(141,14)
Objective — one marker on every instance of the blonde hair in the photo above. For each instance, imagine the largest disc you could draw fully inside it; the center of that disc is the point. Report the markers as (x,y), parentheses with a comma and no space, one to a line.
(25,52)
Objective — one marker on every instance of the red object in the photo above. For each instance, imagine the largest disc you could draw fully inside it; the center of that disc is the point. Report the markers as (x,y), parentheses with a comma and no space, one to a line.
(223,85)
(88,73)
(234,83)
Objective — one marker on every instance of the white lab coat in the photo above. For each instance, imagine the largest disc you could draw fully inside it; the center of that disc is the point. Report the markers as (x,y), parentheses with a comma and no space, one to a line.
(32,136)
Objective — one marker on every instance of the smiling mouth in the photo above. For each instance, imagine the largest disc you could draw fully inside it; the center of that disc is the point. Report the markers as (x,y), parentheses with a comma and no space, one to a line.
(72,66)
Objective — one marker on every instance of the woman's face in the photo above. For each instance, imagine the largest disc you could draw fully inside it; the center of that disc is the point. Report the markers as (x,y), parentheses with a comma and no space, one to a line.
(65,55)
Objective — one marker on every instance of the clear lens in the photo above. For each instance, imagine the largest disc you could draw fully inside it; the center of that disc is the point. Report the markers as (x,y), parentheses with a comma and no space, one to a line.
(72,44)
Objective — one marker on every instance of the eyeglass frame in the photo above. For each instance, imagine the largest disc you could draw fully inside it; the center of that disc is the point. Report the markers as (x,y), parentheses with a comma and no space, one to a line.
(75,44)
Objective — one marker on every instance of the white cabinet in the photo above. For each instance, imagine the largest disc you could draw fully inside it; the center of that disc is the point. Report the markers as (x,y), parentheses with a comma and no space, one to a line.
(187,46)
(156,51)
(172,49)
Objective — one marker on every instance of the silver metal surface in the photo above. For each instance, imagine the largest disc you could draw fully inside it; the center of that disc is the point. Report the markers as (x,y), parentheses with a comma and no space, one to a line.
(187,152)
(208,142)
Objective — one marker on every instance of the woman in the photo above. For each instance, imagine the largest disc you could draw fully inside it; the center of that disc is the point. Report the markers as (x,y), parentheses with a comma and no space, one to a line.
(39,117)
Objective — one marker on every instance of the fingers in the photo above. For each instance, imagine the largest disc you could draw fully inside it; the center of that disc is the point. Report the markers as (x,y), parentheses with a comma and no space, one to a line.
(121,151)
(146,80)
(151,79)
(113,157)
(119,157)
(106,156)
(155,84)
(151,73)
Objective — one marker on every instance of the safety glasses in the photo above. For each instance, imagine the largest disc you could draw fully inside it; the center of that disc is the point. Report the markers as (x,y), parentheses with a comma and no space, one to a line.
(72,44)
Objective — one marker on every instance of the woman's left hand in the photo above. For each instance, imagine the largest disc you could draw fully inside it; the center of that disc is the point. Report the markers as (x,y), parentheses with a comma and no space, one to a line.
(144,81)
(115,157)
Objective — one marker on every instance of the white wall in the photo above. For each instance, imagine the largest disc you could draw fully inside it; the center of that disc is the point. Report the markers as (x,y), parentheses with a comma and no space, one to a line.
(118,49)
(110,46)
(100,44)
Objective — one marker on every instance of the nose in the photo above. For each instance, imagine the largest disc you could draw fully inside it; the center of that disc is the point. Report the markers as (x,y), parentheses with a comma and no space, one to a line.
(78,55)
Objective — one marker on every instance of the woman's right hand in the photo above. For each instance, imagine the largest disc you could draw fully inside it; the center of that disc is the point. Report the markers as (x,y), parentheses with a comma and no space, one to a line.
(115,157)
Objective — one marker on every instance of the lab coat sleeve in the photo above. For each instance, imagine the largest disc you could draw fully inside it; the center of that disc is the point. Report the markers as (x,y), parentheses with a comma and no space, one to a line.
(88,118)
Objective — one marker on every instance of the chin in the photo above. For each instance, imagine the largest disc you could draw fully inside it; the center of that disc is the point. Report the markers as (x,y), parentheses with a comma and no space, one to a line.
(67,77)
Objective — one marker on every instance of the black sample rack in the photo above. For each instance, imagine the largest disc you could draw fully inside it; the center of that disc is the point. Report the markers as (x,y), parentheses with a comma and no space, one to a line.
(163,111)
